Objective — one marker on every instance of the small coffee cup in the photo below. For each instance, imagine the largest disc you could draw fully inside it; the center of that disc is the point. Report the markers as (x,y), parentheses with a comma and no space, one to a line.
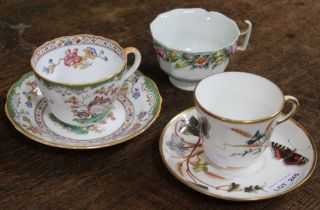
(81,76)
(241,110)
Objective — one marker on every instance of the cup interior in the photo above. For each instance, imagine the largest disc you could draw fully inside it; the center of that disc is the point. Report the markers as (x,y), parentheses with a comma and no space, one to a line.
(78,59)
(194,30)
(239,96)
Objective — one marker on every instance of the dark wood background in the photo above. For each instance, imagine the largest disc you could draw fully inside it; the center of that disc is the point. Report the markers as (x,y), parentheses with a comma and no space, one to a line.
(284,48)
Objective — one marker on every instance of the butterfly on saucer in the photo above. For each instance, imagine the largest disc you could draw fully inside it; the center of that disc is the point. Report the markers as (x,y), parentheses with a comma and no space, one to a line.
(290,157)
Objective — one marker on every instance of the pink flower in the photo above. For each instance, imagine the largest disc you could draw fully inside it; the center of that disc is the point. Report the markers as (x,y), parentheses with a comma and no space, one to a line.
(160,52)
(71,58)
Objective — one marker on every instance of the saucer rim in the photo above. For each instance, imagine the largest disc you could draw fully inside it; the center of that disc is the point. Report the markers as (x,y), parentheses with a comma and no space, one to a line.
(231,198)
(39,140)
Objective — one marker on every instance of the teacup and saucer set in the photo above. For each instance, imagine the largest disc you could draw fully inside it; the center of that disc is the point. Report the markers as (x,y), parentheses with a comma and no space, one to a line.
(82,95)
(234,144)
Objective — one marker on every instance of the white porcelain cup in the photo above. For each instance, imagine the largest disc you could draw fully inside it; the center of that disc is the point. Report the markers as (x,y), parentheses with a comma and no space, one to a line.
(240,111)
(193,43)
(81,76)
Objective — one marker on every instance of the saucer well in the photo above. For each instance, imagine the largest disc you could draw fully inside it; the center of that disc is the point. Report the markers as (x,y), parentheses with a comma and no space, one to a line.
(136,108)
(287,163)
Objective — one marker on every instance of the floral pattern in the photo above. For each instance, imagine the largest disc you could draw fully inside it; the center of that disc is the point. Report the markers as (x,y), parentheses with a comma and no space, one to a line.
(38,123)
(72,59)
(192,60)
(29,94)
(70,41)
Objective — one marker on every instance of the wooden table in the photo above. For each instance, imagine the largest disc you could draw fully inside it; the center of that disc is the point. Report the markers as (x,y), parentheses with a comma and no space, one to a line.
(284,48)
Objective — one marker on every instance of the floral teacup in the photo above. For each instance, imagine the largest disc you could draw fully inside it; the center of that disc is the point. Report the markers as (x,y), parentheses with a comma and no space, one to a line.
(81,75)
(237,113)
(192,44)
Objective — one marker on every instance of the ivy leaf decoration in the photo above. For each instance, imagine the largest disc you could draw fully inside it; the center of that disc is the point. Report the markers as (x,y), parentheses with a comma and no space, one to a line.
(191,128)
(256,137)
(233,187)
(200,165)
(201,186)
(193,122)
(248,189)
(257,187)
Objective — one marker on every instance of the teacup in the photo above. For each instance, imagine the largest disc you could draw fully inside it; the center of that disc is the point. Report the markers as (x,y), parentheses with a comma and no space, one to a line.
(192,44)
(81,76)
(239,111)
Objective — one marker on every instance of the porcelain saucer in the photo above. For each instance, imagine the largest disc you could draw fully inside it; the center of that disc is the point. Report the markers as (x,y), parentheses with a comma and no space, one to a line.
(287,163)
(136,108)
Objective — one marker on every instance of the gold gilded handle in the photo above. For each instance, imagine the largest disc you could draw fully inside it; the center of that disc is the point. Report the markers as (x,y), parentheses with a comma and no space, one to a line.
(246,37)
(136,63)
(295,104)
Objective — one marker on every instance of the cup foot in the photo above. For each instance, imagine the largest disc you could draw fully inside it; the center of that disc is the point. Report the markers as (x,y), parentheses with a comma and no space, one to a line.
(183,84)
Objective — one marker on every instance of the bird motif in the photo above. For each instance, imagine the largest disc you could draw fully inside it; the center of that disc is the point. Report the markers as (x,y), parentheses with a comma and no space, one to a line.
(82,114)
(97,101)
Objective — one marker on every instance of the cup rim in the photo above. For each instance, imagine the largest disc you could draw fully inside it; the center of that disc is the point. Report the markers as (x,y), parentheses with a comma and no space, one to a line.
(153,23)
(214,115)
(121,69)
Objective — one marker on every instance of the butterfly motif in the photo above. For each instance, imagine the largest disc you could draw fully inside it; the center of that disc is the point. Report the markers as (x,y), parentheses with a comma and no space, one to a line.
(290,157)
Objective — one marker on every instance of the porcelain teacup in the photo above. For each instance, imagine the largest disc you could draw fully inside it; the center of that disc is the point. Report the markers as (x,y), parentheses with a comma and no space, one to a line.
(81,76)
(238,112)
(192,44)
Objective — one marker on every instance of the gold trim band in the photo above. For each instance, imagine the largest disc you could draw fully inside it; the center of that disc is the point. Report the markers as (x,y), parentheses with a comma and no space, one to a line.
(198,105)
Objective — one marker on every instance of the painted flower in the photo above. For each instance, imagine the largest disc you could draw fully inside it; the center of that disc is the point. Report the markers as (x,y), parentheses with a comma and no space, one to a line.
(200,62)
(28,104)
(218,61)
(90,52)
(187,56)
(181,64)
(136,94)
(171,56)
(160,52)
(45,70)
(233,48)
(72,58)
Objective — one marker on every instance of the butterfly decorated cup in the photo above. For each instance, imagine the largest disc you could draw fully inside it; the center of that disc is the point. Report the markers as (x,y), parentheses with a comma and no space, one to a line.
(80,76)
(237,113)
(192,44)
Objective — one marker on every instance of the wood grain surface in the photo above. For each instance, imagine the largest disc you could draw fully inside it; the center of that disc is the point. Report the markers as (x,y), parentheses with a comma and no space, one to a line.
(284,48)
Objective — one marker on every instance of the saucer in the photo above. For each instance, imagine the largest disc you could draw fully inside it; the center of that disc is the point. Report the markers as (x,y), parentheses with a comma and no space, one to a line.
(286,164)
(136,108)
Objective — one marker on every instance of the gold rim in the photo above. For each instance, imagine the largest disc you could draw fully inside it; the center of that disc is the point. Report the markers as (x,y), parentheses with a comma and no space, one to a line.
(229,197)
(232,120)
(30,136)
(121,69)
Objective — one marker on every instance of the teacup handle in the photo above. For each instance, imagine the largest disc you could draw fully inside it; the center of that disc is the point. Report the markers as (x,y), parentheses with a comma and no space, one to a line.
(295,104)
(246,37)
(136,63)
